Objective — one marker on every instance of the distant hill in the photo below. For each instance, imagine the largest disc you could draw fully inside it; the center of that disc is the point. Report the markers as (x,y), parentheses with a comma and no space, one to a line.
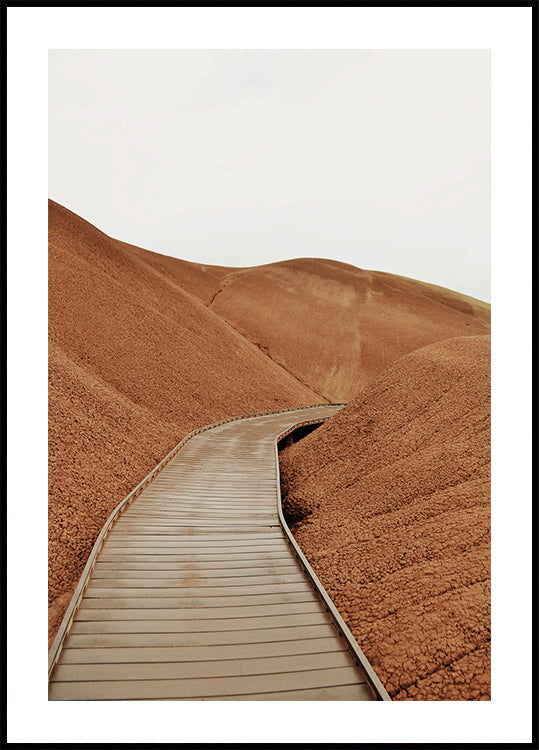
(336,327)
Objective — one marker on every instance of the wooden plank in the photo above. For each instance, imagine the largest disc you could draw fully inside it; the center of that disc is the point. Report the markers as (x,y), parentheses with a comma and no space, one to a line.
(192,551)
(176,515)
(243,524)
(196,602)
(205,670)
(200,626)
(256,510)
(195,527)
(222,638)
(192,544)
(207,557)
(200,563)
(168,581)
(169,530)
(190,591)
(223,481)
(184,506)
(174,501)
(180,527)
(189,577)
(221,488)
(224,484)
(201,687)
(176,529)
(200,614)
(129,655)
(225,488)
(174,497)
(177,519)
(202,572)
(109,570)
(354,692)
(206,507)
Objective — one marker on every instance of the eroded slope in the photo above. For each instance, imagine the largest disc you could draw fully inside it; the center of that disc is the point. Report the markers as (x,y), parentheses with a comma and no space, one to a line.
(394,492)
(336,327)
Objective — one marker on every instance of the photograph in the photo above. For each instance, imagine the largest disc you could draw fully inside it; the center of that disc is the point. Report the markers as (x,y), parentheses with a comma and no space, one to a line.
(303,236)
(269,282)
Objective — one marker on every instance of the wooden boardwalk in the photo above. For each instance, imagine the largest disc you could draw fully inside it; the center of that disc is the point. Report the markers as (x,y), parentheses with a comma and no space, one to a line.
(198,593)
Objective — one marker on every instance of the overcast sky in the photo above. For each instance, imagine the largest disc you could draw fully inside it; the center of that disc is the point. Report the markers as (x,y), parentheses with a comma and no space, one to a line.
(380,159)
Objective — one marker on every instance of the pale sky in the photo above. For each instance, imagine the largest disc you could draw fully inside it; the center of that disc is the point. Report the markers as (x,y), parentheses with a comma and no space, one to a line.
(380,159)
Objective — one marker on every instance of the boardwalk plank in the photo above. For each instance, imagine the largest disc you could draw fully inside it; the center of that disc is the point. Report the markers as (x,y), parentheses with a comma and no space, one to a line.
(208,669)
(178,602)
(86,614)
(202,573)
(199,626)
(191,589)
(196,638)
(354,692)
(190,575)
(130,655)
(200,687)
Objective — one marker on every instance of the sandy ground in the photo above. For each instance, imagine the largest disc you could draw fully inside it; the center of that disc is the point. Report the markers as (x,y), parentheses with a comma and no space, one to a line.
(391,500)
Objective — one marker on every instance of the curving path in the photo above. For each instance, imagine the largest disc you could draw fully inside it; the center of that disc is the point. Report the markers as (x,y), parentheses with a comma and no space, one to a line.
(199,592)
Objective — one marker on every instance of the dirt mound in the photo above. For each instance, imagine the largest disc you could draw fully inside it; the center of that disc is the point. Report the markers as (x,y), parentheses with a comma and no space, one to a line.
(336,327)
(394,496)
(136,362)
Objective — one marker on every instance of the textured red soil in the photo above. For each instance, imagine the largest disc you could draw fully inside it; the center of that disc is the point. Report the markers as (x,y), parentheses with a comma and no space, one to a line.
(336,327)
(394,497)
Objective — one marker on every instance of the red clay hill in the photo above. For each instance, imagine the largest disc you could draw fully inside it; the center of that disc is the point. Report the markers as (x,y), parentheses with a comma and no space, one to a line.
(391,500)
(335,327)
(144,348)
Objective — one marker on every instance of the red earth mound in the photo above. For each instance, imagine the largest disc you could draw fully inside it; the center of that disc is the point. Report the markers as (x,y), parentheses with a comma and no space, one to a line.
(393,494)
(136,362)
(336,327)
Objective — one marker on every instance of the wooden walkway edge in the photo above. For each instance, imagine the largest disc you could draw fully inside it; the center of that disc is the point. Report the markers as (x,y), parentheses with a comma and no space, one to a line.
(198,590)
